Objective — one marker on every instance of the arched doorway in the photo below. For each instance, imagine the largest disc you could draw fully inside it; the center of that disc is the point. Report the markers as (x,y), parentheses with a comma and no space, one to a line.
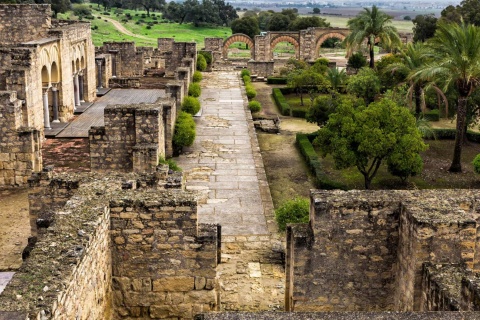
(284,47)
(242,46)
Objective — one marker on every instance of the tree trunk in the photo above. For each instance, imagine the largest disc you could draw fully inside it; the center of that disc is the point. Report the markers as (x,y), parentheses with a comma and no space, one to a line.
(372,53)
(417,90)
(301,97)
(456,165)
(367,182)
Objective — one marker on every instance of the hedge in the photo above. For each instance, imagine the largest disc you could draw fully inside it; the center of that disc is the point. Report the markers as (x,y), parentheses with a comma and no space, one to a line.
(246,79)
(313,162)
(299,113)
(197,76)
(280,101)
(276,80)
(432,115)
(184,134)
(191,105)
(251,92)
(194,90)
(245,72)
(254,106)
(449,134)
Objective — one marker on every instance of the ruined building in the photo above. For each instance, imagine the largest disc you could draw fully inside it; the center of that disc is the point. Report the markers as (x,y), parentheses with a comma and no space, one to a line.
(47,69)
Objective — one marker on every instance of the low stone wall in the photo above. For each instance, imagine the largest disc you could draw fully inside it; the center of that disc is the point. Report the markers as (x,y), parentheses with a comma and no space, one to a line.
(163,264)
(260,68)
(442,287)
(470,292)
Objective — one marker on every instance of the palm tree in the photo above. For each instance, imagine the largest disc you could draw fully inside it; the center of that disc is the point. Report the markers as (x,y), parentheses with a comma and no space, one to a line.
(371,25)
(337,78)
(454,61)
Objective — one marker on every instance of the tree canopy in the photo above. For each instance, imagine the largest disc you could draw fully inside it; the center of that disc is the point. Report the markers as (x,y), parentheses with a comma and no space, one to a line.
(246,25)
(424,27)
(364,137)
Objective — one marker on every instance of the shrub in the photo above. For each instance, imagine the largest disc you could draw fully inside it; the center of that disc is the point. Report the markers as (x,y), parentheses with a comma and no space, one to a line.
(357,61)
(292,211)
(276,80)
(197,76)
(106,13)
(245,72)
(280,101)
(191,105)
(201,63)
(299,113)
(184,134)
(250,90)
(194,90)
(432,115)
(149,27)
(246,79)
(476,164)
(254,106)
(172,165)
(82,10)
(207,55)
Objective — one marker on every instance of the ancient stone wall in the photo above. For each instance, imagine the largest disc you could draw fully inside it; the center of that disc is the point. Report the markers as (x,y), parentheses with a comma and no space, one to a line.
(470,292)
(20,146)
(128,61)
(164,265)
(442,287)
(365,250)
(132,139)
(23,23)
(104,70)
(179,52)
(176,90)
(261,69)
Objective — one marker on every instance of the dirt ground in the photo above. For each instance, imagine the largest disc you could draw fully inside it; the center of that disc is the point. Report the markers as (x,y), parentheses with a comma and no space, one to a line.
(14,227)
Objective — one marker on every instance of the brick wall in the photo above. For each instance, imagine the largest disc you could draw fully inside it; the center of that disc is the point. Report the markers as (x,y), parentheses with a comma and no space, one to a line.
(22,23)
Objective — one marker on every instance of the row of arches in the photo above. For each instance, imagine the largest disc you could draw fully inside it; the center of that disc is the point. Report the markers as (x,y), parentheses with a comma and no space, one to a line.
(52,82)
(276,39)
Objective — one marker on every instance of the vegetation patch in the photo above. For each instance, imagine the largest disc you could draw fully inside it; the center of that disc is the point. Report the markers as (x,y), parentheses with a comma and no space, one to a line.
(295,210)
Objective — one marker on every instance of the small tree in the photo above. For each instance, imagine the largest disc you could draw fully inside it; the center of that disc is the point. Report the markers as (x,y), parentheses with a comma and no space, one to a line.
(324,106)
(306,80)
(364,137)
(356,61)
(184,133)
(365,84)
(197,76)
(316,10)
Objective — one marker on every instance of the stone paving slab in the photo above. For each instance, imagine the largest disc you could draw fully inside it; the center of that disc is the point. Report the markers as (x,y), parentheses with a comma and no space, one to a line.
(224,145)
(5,278)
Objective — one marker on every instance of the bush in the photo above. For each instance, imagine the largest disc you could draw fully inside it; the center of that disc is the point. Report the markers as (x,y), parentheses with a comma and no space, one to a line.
(82,10)
(201,63)
(254,106)
(250,90)
(207,55)
(197,76)
(276,80)
(191,105)
(306,149)
(280,101)
(432,115)
(184,134)
(246,79)
(194,90)
(149,27)
(244,72)
(292,211)
(357,61)
(299,113)
(476,164)
(172,165)
(106,13)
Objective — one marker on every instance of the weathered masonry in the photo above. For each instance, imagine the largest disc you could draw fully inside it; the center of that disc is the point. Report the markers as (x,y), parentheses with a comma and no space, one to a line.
(385,251)
(117,246)
(47,69)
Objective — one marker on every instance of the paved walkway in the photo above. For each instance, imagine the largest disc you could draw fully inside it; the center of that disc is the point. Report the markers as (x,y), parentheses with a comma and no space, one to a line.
(225,161)
(93,116)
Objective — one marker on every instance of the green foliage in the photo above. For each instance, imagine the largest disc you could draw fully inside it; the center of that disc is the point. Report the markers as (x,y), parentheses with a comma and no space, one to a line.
(82,10)
(251,92)
(336,78)
(389,73)
(357,61)
(476,164)
(323,106)
(365,84)
(246,79)
(191,105)
(281,102)
(207,55)
(278,22)
(184,134)
(313,162)
(424,27)
(303,23)
(201,63)
(245,72)
(254,106)
(306,80)
(197,76)
(247,25)
(316,10)
(363,137)
(172,164)
(194,90)
(432,115)
(292,211)
(372,24)
(276,80)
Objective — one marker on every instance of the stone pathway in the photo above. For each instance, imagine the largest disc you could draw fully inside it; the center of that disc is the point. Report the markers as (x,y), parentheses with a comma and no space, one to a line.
(225,166)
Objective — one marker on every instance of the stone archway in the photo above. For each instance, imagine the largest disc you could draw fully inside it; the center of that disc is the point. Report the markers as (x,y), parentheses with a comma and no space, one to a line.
(324,37)
(285,38)
(238,37)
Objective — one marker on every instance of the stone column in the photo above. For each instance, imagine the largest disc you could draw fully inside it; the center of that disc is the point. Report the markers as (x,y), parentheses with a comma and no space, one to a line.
(76,90)
(99,74)
(55,104)
(81,86)
(46,113)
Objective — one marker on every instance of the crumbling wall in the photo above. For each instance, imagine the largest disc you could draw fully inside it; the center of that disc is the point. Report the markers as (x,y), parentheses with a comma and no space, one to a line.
(470,292)
(261,69)
(20,147)
(442,287)
(128,61)
(132,139)
(22,23)
(164,265)
(175,53)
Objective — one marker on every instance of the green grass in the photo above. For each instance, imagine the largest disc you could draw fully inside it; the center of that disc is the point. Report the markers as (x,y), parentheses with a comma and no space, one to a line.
(162,29)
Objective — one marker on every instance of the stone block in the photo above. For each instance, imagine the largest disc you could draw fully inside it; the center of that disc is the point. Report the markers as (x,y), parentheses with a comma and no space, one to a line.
(174,284)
